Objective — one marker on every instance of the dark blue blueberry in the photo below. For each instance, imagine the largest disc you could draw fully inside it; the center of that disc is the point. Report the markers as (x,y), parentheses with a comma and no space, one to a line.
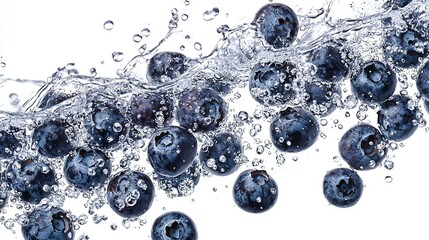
(294,130)
(166,66)
(52,138)
(48,223)
(426,105)
(151,109)
(130,193)
(342,187)
(374,83)
(255,191)
(87,168)
(9,142)
(107,125)
(397,121)
(182,185)
(201,109)
(272,83)
(402,3)
(321,97)
(171,150)
(30,178)
(220,156)
(174,226)
(330,64)
(362,147)
(422,82)
(4,195)
(405,49)
(278,24)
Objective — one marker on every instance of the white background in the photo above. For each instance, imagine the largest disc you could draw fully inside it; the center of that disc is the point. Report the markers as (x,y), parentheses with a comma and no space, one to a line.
(36,37)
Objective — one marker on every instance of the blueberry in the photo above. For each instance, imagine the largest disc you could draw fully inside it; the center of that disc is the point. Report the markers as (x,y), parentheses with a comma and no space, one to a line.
(342,187)
(402,3)
(374,83)
(220,157)
(321,97)
(29,178)
(107,125)
(48,223)
(362,147)
(166,66)
(201,109)
(422,82)
(174,226)
(397,121)
(272,83)
(426,105)
(171,150)
(130,193)
(331,66)
(87,168)
(4,195)
(53,98)
(52,138)
(278,24)
(10,141)
(294,130)
(181,185)
(151,109)
(405,49)
(255,191)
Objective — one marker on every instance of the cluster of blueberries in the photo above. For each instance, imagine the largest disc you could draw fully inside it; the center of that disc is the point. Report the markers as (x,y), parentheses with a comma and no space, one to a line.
(172,150)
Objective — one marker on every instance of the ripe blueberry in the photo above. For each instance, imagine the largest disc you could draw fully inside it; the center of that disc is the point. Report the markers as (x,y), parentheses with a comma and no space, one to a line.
(174,226)
(321,97)
(52,138)
(166,66)
(10,141)
(331,66)
(151,109)
(422,82)
(342,187)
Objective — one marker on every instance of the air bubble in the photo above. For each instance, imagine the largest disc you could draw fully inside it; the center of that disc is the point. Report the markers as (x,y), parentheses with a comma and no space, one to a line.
(137,38)
(117,56)
(145,32)
(198,46)
(388,164)
(93,72)
(210,15)
(108,25)
(13,99)
(388,179)
(2,64)
(184,17)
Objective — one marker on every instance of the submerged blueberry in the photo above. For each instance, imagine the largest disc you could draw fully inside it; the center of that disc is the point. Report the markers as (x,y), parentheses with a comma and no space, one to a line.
(374,83)
(4,195)
(422,81)
(322,97)
(52,138)
(272,83)
(220,158)
(342,187)
(397,121)
(151,109)
(9,142)
(166,66)
(48,223)
(31,179)
(130,193)
(294,130)
(362,147)
(331,66)
(174,226)
(201,109)
(255,191)
(87,168)
(171,150)
(278,24)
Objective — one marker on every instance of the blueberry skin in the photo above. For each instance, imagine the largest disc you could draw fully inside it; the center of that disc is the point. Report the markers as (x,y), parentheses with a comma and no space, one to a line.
(151,110)
(166,66)
(130,193)
(426,105)
(294,130)
(181,185)
(107,125)
(255,191)
(28,177)
(422,81)
(402,3)
(9,143)
(52,139)
(330,65)
(405,49)
(278,24)
(360,147)
(374,83)
(321,97)
(342,187)
(48,224)
(395,119)
(201,110)
(220,158)
(4,195)
(174,226)
(272,83)
(171,150)
(87,168)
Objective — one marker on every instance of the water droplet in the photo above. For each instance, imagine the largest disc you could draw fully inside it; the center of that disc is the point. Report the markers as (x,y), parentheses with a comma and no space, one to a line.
(137,38)
(187,2)
(93,72)
(184,17)
(198,46)
(388,179)
(13,99)
(388,164)
(323,122)
(145,32)
(2,64)
(118,56)
(336,159)
(108,25)
(113,226)
(143,48)
(210,15)
(182,47)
